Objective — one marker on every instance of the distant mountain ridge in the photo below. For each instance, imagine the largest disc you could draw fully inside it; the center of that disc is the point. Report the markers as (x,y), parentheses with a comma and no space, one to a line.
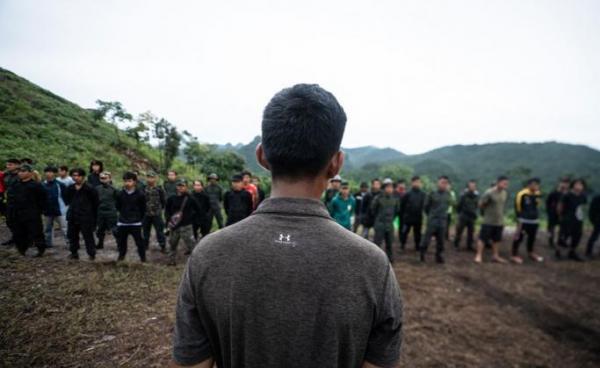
(547,160)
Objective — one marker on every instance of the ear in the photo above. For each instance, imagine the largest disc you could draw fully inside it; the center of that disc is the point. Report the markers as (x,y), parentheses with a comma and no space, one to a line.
(335,164)
(261,158)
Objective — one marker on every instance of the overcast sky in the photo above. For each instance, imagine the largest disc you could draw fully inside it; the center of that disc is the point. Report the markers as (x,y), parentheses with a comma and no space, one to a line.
(412,75)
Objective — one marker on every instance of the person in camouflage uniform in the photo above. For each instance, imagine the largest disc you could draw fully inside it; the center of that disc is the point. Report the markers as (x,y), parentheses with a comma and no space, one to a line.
(155,203)
(107,210)
(385,207)
(184,204)
(215,194)
(436,208)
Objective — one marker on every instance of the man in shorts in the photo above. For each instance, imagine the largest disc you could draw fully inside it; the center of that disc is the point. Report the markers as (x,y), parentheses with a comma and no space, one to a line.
(492,205)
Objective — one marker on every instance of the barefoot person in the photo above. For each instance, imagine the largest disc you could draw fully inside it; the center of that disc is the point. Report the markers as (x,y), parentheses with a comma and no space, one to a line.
(288,287)
(492,205)
(526,209)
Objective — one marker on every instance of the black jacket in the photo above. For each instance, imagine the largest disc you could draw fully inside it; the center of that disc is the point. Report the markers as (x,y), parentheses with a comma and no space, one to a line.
(29,199)
(468,205)
(411,206)
(203,201)
(131,206)
(93,179)
(594,212)
(552,202)
(83,203)
(55,190)
(367,216)
(190,211)
(238,205)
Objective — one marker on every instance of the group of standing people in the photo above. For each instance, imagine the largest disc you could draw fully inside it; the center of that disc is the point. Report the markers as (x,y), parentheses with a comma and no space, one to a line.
(379,206)
(90,206)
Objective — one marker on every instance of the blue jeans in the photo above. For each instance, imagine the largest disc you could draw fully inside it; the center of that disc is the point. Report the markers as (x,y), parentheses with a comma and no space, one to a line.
(49,228)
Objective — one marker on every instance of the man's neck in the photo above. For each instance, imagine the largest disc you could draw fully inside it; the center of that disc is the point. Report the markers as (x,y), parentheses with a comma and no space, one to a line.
(305,188)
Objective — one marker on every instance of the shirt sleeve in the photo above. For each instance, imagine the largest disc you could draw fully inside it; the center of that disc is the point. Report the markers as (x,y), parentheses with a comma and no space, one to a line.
(385,340)
(190,342)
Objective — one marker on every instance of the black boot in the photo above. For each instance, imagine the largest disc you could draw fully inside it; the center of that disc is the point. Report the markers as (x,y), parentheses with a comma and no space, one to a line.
(422,257)
(574,256)
(439,259)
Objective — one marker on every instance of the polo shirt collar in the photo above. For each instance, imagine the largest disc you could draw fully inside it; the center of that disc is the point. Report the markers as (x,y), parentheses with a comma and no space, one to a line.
(293,206)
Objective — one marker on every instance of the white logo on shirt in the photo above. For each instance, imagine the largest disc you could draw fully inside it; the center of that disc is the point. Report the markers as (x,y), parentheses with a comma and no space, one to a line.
(285,239)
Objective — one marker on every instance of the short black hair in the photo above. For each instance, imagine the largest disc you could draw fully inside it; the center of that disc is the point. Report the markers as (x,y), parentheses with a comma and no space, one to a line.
(50,168)
(13,161)
(444,177)
(302,128)
(246,172)
(78,170)
(26,161)
(533,180)
(198,181)
(63,168)
(374,180)
(415,178)
(130,176)
(501,178)
(472,181)
(364,184)
(565,179)
(401,181)
(172,171)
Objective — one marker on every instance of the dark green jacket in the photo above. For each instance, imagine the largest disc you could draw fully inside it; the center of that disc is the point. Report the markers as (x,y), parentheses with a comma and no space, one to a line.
(468,205)
(106,200)
(385,207)
(215,194)
(170,188)
(436,208)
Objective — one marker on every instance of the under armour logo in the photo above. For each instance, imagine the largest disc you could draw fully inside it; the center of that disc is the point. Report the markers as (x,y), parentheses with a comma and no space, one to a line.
(285,239)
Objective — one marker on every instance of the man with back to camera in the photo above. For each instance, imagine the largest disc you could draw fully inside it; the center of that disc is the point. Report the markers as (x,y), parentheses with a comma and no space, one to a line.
(295,289)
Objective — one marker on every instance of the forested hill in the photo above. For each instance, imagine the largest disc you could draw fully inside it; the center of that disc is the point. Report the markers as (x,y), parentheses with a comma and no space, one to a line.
(38,124)
(483,162)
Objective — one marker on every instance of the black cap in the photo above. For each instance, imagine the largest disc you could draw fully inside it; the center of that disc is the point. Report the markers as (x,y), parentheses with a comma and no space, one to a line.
(237,177)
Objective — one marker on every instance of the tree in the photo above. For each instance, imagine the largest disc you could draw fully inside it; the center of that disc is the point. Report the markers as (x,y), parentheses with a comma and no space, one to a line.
(113,112)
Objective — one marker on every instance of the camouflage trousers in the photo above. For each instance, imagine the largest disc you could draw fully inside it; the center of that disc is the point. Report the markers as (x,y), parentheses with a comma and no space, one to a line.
(185,233)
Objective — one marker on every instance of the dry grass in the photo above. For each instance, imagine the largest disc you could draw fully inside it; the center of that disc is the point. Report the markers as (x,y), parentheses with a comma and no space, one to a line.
(59,313)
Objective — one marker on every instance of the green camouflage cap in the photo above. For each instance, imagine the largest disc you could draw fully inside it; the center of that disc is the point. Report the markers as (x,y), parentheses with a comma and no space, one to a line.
(26,167)
(180,182)
(151,174)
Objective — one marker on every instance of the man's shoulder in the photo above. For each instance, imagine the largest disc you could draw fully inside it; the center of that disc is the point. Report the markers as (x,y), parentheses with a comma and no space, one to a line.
(328,233)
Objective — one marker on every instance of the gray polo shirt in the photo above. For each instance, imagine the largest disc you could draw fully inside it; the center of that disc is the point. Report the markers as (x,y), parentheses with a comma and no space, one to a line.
(288,287)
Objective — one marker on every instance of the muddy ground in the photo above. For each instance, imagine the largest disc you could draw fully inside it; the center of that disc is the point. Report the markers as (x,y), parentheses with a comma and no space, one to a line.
(60,313)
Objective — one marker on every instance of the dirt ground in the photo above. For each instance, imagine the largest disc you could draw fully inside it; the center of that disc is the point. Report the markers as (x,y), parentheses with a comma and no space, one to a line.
(60,313)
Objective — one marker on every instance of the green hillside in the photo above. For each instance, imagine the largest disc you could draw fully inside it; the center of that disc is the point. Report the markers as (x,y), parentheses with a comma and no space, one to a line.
(519,161)
(38,124)
(484,162)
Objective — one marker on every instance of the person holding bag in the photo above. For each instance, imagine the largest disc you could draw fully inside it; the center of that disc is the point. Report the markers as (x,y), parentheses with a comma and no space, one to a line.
(179,212)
